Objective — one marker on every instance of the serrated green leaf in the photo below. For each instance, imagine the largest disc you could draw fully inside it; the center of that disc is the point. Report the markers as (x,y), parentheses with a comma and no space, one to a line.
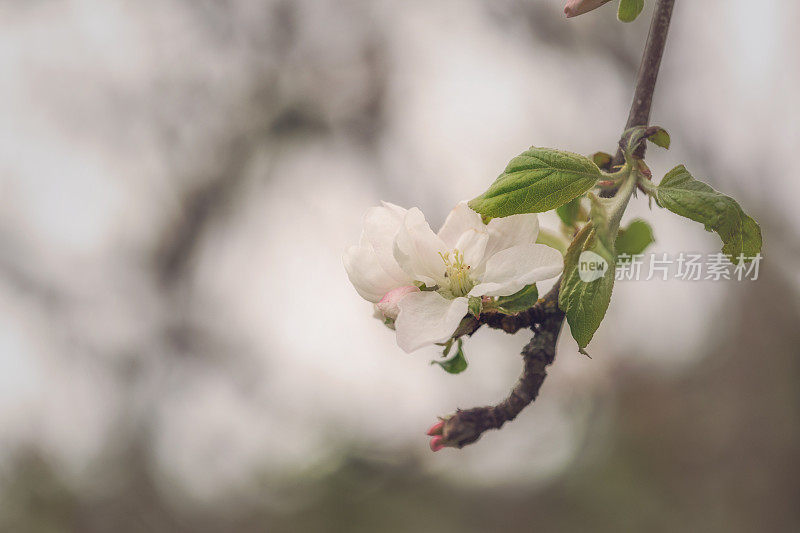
(519,301)
(629,10)
(684,195)
(634,239)
(457,363)
(585,302)
(660,137)
(539,179)
(570,211)
(475,306)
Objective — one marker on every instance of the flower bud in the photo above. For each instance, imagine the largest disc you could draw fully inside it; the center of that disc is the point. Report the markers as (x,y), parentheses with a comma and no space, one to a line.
(579,7)
(436,429)
(388,304)
(436,443)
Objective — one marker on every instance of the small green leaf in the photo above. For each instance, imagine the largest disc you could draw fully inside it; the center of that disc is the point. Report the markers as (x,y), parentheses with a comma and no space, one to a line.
(658,136)
(456,364)
(519,301)
(585,302)
(538,180)
(569,212)
(629,10)
(634,239)
(602,160)
(600,219)
(552,239)
(682,194)
(475,305)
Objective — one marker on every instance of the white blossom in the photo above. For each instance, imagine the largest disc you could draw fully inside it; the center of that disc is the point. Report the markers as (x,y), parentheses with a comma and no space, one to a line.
(399,251)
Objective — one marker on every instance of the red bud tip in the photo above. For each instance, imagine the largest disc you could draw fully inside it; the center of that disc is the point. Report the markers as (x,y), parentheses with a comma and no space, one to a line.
(436,429)
(436,443)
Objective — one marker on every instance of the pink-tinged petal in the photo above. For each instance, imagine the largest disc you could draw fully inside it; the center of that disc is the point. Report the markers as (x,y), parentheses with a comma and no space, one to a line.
(436,443)
(426,318)
(436,429)
(460,220)
(512,269)
(579,7)
(388,305)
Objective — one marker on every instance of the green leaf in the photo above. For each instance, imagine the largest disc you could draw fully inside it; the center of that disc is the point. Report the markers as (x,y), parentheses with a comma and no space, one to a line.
(539,179)
(629,10)
(569,213)
(552,239)
(599,214)
(519,301)
(585,302)
(456,364)
(658,136)
(602,160)
(634,239)
(682,194)
(475,306)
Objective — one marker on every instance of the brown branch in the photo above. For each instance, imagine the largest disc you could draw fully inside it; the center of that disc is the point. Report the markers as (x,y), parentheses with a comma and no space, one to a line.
(544,308)
(465,427)
(545,318)
(639,114)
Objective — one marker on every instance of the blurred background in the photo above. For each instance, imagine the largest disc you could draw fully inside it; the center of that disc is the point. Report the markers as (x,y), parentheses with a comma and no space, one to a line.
(181,350)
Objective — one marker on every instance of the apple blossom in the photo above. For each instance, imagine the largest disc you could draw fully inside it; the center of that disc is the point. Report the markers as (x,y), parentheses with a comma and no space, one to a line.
(466,258)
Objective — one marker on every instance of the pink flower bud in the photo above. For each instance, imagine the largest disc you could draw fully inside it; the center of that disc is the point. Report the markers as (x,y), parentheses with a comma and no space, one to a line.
(388,304)
(579,7)
(436,443)
(436,429)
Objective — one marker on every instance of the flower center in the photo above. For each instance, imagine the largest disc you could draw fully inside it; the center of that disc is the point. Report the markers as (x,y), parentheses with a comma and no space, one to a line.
(457,275)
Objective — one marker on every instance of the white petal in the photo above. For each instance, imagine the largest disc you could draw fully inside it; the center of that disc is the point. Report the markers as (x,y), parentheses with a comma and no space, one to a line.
(510,270)
(472,244)
(507,232)
(381,225)
(512,231)
(460,220)
(396,208)
(417,249)
(427,317)
(366,274)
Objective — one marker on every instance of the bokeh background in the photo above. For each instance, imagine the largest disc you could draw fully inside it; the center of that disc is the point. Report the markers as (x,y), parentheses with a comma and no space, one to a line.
(181,350)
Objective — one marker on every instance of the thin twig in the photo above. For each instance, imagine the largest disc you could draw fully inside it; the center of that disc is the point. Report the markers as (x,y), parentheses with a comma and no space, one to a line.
(545,318)
(647,76)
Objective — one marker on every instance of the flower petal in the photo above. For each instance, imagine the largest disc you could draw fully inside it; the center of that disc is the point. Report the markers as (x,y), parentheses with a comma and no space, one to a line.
(389,303)
(512,269)
(417,248)
(426,318)
(366,274)
(460,220)
(512,231)
(472,244)
(381,225)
